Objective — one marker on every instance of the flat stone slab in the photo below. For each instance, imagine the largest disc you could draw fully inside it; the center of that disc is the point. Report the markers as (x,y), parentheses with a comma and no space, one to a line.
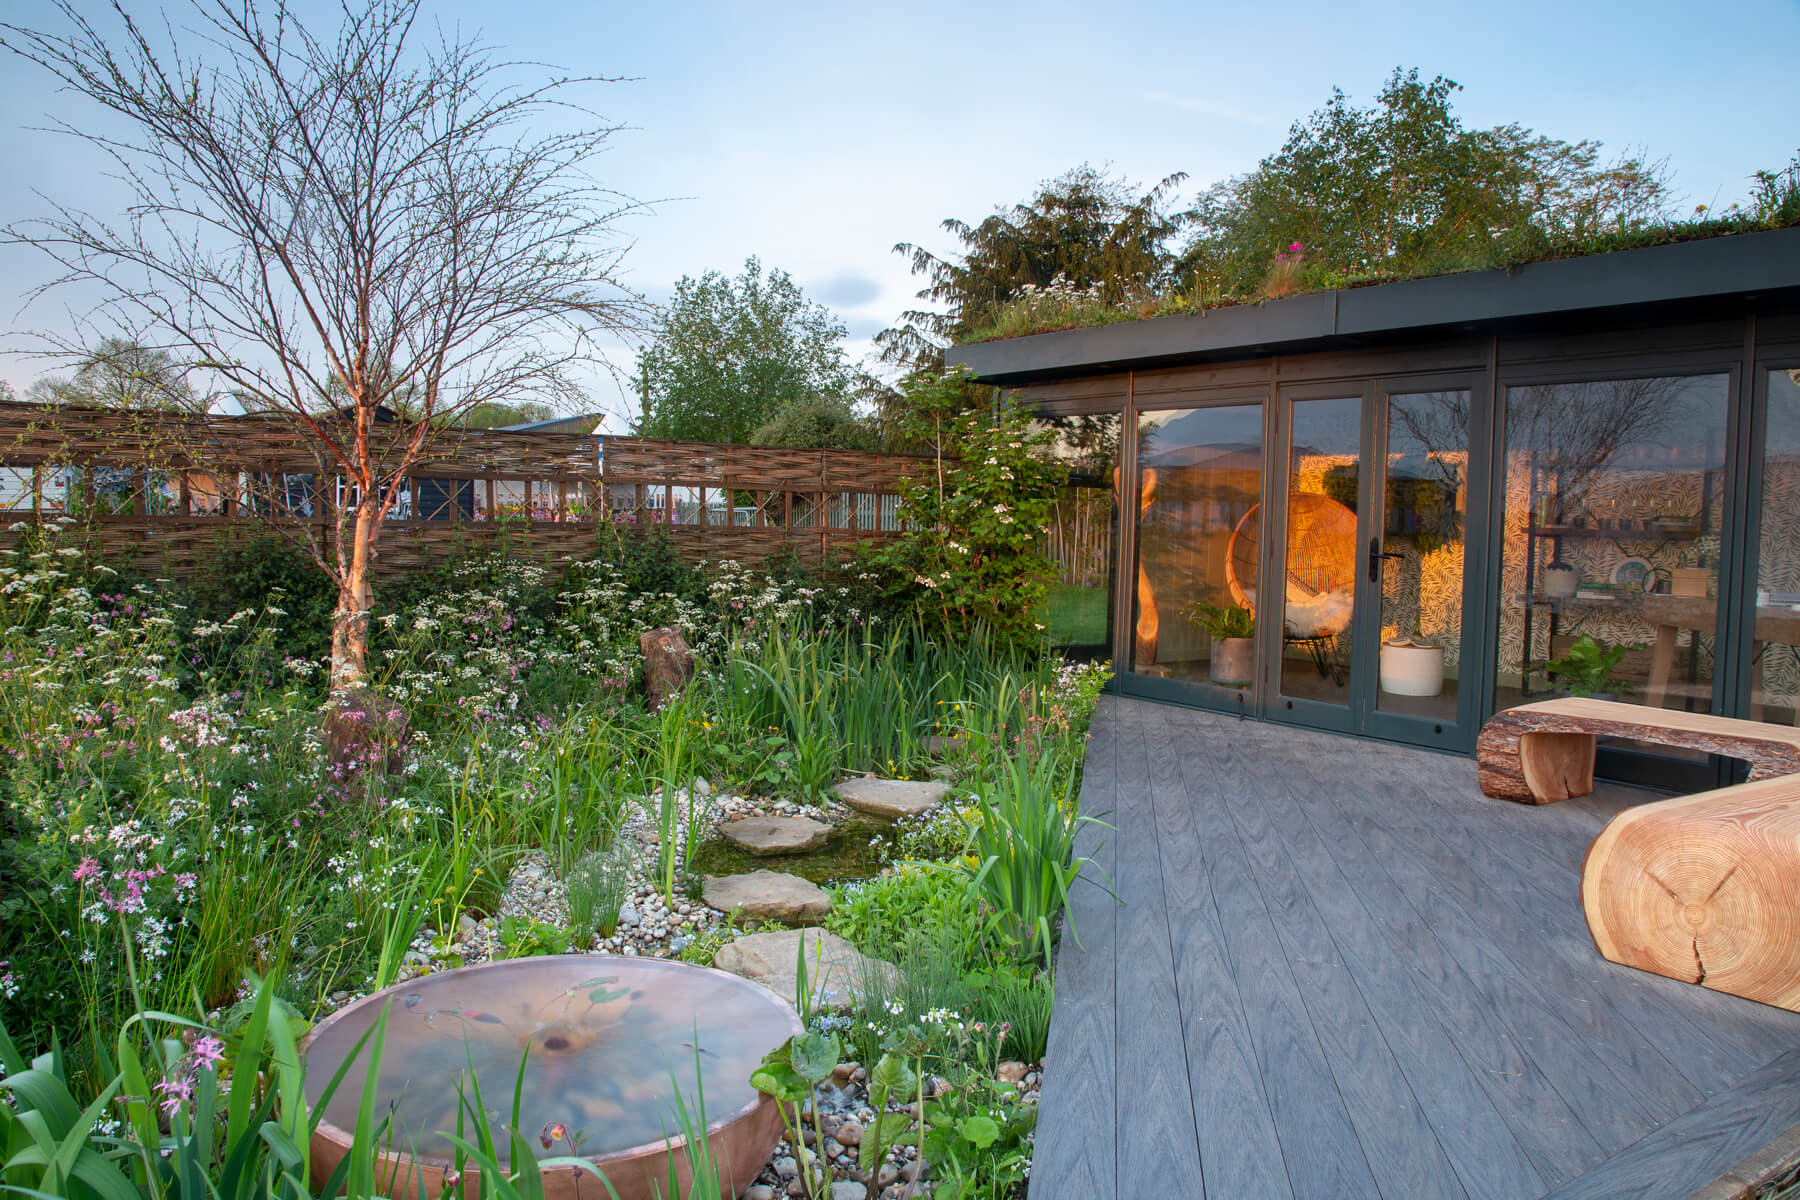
(763,836)
(892,798)
(835,970)
(938,745)
(767,896)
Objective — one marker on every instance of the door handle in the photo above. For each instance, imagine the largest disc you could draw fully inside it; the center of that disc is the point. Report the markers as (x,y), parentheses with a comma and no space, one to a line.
(1376,554)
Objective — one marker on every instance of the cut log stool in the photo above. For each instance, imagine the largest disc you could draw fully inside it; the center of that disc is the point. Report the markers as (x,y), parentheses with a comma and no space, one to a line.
(1539,753)
(1705,889)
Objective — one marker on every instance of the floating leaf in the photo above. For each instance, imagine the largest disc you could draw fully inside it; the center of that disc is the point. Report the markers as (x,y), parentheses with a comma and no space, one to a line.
(484,1018)
(606,996)
(412,1000)
(595,982)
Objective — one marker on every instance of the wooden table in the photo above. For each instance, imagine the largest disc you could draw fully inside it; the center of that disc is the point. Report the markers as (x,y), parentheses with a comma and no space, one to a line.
(1671,614)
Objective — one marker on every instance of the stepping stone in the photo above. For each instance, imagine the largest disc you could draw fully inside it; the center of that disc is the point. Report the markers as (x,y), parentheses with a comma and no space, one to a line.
(939,744)
(835,970)
(767,896)
(892,798)
(764,836)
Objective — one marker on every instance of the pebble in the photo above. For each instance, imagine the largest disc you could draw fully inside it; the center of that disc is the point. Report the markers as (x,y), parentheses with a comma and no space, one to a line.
(787,1168)
(850,1133)
(1011,1072)
(848,1189)
(759,1191)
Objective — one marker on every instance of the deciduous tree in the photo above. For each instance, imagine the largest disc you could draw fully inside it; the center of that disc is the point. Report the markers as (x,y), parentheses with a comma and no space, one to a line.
(730,353)
(327,222)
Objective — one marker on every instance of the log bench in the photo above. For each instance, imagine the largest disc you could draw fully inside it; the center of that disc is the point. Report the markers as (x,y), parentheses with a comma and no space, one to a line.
(1705,889)
(1538,753)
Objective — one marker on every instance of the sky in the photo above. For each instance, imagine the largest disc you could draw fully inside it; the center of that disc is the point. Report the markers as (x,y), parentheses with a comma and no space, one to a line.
(817,135)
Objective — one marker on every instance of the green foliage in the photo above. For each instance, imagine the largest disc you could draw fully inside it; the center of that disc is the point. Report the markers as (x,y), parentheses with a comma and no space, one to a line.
(974,515)
(121,373)
(492,414)
(928,901)
(270,570)
(1083,233)
(1775,202)
(1404,188)
(1587,667)
(821,423)
(731,353)
(597,886)
(523,937)
(1232,621)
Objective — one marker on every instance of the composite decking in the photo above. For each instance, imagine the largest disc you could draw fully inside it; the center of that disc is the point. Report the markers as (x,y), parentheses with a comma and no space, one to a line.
(1334,969)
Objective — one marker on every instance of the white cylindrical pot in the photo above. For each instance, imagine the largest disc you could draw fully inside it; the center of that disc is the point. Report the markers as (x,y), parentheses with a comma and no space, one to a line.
(1232,661)
(1561,582)
(1408,669)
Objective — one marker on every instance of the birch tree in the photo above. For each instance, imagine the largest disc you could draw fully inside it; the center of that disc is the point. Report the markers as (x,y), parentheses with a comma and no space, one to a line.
(327,222)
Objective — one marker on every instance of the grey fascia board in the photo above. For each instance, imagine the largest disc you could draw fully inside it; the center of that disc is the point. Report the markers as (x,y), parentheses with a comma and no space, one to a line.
(1735,265)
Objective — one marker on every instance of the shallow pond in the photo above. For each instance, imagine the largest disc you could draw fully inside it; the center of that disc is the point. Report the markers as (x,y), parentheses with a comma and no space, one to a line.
(848,855)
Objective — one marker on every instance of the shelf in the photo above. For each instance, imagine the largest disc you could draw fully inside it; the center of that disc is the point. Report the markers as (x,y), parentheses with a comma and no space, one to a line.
(1684,534)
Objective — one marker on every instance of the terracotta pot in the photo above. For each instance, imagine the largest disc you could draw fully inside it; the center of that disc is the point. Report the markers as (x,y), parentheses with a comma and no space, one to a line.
(1233,661)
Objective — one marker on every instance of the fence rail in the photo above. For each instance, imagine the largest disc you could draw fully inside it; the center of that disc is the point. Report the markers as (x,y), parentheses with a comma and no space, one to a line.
(168,489)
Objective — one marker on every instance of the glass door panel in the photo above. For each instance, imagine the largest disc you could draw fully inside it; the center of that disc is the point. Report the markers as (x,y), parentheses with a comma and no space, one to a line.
(1775,643)
(1419,554)
(1317,597)
(1079,537)
(1199,478)
(1615,491)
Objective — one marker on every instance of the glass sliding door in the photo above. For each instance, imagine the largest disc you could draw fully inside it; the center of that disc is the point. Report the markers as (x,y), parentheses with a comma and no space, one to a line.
(1774,644)
(1316,599)
(1425,504)
(1615,492)
(1194,588)
(1080,539)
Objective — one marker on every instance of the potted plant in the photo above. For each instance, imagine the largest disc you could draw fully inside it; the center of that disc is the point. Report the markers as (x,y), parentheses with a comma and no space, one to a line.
(1412,667)
(1586,669)
(1233,631)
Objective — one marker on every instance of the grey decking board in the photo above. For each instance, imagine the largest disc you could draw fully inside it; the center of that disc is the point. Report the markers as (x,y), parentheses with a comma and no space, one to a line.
(1301,863)
(1501,957)
(1240,1152)
(1698,1147)
(1488,1159)
(1324,1156)
(1397,1140)
(1721,1024)
(1076,1151)
(1613,1003)
(1549,1130)
(1158,1142)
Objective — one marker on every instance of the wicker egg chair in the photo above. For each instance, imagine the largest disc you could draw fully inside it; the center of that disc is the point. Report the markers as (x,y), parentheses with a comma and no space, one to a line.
(1321,555)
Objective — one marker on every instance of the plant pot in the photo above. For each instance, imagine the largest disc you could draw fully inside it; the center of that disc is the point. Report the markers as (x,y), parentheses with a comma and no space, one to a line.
(1561,582)
(1412,669)
(1233,661)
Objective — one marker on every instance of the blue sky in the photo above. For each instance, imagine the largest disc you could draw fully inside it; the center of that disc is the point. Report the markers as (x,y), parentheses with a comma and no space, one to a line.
(817,135)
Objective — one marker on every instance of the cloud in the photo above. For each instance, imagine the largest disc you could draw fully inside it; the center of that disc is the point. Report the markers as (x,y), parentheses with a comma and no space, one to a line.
(847,289)
(1210,107)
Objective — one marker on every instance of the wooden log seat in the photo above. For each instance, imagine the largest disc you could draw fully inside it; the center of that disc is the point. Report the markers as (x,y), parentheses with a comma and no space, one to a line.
(1705,889)
(1541,752)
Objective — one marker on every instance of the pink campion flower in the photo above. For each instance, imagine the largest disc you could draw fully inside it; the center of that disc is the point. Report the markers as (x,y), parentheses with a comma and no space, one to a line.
(208,1051)
(176,1091)
(89,869)
(1295,248)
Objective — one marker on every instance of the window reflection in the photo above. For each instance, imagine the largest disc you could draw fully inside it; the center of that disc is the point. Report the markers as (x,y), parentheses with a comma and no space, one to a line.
(1079,536)
(1614,498)
(1775,644)
(1199,475)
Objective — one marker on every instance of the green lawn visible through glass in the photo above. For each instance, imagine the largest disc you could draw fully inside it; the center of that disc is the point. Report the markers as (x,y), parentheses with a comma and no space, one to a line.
(1075,616)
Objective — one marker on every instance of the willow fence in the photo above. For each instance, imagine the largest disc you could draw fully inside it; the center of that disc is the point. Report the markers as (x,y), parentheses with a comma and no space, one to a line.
(167,491)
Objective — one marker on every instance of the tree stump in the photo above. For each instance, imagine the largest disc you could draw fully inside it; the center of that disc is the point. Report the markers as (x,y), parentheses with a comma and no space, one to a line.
(1702,889)
(668,664)
(363,732)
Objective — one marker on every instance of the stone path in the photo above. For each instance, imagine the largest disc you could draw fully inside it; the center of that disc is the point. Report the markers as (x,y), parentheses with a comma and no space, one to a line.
(892,798)
(764,836)
(767,896)
(835,970)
